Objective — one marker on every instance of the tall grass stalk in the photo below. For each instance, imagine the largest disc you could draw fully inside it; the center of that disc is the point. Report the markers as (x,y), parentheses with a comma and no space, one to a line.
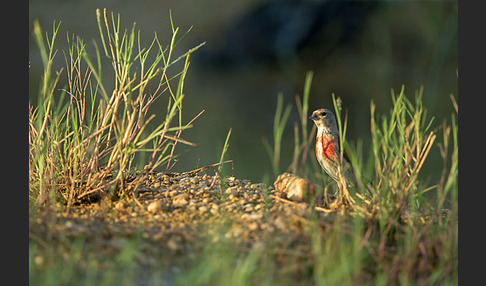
(225,149)
(302,138)
(401,143)
(302,147)
(280,120)
(84,136)
(343,193)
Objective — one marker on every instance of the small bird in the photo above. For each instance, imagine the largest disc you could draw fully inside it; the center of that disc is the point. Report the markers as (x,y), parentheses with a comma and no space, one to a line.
(327,147)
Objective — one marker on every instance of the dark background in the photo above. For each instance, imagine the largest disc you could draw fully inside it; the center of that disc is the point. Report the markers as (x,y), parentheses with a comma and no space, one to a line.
(358,50)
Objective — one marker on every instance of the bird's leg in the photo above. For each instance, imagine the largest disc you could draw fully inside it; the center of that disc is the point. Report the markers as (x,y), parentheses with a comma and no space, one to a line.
(346,197)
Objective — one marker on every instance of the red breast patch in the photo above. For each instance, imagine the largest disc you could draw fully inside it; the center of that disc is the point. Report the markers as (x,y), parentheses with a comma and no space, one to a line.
(329,148)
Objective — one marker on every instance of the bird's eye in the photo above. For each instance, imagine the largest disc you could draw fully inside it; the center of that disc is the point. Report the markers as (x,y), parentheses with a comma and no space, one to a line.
(323,113)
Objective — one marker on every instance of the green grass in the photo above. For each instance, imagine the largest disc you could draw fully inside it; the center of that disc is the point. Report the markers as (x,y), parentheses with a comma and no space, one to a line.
(84,139)
(84,136)
(399,236)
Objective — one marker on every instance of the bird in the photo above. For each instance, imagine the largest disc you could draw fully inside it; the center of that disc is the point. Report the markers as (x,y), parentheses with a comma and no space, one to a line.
(328,148)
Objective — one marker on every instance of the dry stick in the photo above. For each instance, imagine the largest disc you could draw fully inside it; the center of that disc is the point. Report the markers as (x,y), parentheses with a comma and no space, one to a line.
(90,191)
(321,209)
(209,167)
(367,235)
(213,182)
(138,202)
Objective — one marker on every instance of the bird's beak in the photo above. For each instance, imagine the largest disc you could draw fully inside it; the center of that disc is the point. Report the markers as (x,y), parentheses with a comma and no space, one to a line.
(313,117)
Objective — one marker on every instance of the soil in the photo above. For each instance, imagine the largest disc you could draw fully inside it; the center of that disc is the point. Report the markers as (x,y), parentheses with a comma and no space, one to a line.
(174,218)
(175,215)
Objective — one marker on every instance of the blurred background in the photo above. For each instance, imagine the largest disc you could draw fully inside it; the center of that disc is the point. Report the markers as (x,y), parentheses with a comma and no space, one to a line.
(256,49)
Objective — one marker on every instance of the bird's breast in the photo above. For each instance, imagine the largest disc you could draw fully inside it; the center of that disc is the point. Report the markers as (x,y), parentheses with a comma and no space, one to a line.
(326,147)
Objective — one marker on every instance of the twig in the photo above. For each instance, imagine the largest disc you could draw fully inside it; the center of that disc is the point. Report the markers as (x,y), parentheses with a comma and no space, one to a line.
(211,166)
(138,202)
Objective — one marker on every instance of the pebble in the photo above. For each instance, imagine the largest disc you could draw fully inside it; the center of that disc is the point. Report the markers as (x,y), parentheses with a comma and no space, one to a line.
(173,193)
(156,206)
(69,224)
(256,186)
(176,205)
(38,260)
(184,181)
(179,202)
(248,208)
(254,216)
(160,216)
(253,226)
(231,191)
(214,209)
(155,185)
(120,205)
(173,243)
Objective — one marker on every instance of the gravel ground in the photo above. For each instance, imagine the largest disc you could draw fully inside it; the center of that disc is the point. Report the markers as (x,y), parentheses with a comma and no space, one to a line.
(176,214)
(173,218)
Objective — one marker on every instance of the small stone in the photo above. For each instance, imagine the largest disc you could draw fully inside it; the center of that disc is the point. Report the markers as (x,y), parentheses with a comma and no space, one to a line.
(180,202)
(203,185)
(39,260)
(256,186)
(181,196)
(253,216)
(156,185)
(156,206)
(231,191)
(173,244)
(214,209)
(253,226)
(184,181)
(120,205)
(248,208)
(279,223)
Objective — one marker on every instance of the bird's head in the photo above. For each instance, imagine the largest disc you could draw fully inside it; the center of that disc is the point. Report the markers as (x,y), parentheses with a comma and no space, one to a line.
(324,118)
